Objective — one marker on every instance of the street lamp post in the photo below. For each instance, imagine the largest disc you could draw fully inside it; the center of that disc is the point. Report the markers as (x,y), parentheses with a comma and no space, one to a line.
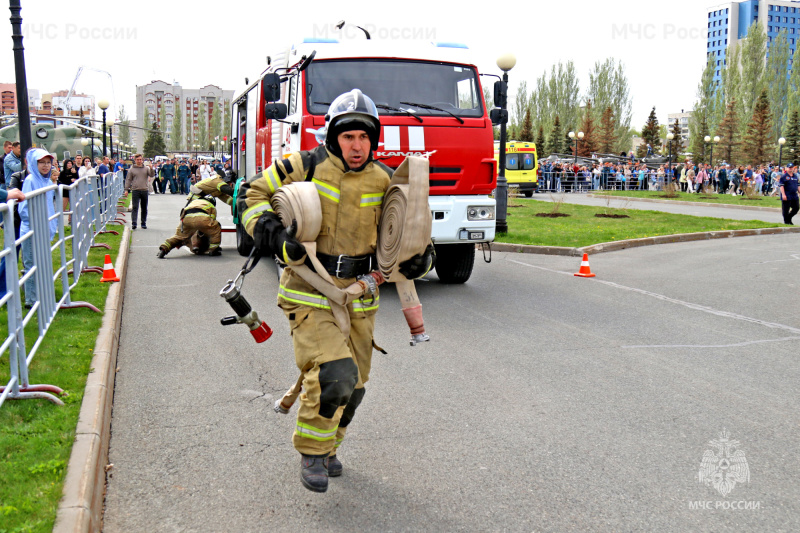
(716,141)
(505,63)
(23,112)
(670,136)
(577,137)
(103,104)
(781,142)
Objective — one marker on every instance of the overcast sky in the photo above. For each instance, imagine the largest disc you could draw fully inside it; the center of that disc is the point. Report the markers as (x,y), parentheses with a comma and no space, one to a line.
(662,44)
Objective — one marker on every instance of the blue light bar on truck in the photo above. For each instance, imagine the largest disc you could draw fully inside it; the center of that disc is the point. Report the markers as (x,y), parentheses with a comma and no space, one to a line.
(313,40)
(450,45)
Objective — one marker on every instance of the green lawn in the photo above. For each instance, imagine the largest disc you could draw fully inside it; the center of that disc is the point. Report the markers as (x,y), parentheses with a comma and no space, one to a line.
(582,228)
(711,198)
(36,436)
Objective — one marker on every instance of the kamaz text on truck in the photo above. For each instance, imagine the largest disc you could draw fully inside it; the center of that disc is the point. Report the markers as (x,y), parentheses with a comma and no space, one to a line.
(431,104)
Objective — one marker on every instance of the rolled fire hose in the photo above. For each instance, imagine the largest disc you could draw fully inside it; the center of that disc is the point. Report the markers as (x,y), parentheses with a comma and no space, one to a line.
(299,202)
(405,231)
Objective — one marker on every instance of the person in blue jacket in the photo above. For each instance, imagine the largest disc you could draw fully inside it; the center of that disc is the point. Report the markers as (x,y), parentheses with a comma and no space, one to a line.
(40,168)
(13,194)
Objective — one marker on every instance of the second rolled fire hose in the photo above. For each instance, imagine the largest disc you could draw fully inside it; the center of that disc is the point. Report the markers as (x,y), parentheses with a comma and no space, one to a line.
(405,231)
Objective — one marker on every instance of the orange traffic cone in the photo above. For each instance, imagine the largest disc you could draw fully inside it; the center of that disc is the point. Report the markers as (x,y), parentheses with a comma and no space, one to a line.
(110,275)
(585,271)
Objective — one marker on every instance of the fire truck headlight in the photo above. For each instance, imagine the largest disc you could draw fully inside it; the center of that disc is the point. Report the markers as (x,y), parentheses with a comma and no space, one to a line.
(480,212)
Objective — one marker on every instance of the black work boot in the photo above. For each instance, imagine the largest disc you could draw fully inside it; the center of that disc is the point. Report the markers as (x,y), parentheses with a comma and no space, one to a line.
(334,466)
(314,472)
(162,252)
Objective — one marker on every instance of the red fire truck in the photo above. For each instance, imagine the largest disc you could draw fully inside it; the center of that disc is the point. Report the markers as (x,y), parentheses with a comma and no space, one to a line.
(430,102)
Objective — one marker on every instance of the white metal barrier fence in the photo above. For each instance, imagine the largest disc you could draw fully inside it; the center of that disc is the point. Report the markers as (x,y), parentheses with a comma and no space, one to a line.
(93,206)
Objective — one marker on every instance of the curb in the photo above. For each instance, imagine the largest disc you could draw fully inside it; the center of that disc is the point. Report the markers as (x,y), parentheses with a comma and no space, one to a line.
(635,243)
(681,202)
(81,505)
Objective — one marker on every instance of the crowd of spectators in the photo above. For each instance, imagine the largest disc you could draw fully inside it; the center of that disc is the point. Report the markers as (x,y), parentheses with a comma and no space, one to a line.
(689,177)
(178,175)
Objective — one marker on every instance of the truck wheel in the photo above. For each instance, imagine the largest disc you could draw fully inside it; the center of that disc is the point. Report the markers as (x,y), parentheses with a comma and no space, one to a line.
(528,194)
(454,262)
(244,242)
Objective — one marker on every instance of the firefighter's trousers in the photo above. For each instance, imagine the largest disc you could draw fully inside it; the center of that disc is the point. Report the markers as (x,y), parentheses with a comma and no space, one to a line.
(191,224)
(334,370)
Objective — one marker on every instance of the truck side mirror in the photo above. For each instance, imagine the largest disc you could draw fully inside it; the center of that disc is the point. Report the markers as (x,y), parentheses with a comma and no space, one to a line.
(500,94)
(275,111)
(498,116)
(271,87)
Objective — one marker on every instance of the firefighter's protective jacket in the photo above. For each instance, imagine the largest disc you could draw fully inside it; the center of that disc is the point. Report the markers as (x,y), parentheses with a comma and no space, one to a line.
(351,210)
(198,206)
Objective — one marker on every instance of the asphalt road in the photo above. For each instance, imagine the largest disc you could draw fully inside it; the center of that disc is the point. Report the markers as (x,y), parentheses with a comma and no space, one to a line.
(544,402)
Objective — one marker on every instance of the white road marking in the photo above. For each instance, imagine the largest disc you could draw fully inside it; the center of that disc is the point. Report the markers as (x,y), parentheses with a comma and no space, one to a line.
(734,345)
(690,305)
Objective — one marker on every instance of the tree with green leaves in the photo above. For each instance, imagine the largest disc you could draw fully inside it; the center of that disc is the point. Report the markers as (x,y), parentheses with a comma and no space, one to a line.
(540,140)
(650,135)
(758,143)
(556,94)
(588,144)
(526,132)
(226,123)
(677,143)
(728,132)
(777,82)
(701,120)
(554,143)
(753,48)
(793,136)
(202,126)
(731,79)
(146,126)
(124,126)
(608,86)
(793,90)
(607,133)
(154,145)
(520,106)
(216,122)
(162,119)
(176,139)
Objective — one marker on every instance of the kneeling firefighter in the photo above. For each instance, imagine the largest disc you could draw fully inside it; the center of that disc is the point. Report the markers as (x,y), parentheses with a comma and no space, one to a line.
(199,228)
(334,366)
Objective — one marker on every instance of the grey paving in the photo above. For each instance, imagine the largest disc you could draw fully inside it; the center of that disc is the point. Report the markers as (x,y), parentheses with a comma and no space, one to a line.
(544,402)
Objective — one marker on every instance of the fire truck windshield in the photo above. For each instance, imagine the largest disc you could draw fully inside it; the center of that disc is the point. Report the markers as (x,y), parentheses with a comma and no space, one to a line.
(453,89)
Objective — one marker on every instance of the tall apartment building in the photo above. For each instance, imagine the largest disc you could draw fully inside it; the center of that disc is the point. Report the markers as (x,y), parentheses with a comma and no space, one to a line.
(157,95)
(8,98)
(683,123)
(728,23)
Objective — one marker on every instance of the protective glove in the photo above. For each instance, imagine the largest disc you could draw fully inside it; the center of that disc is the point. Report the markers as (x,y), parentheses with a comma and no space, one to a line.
(226,189)
(269,234)
(419,265)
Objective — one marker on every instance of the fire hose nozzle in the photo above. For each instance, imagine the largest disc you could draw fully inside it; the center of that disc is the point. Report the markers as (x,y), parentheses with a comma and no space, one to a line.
(244,313)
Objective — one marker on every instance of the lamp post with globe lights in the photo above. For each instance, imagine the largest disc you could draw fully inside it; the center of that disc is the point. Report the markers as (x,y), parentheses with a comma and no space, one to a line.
(781,142)
(670,137)
(576,137)
(500,116)
(103,104)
